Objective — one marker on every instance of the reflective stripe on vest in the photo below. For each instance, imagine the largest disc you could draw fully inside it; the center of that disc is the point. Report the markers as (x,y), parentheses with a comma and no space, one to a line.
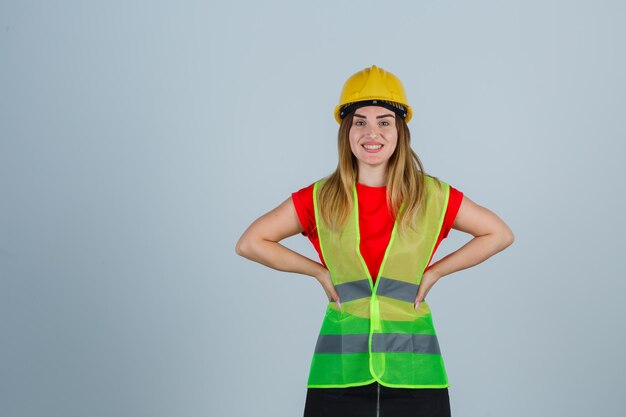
(377,335)
(354,290)
(381,342)
(404,291)
(388,287)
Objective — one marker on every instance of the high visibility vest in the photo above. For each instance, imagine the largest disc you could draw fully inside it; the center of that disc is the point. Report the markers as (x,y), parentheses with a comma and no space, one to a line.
(377,335)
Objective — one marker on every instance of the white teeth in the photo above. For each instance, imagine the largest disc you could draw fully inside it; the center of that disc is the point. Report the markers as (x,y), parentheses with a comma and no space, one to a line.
(373,146)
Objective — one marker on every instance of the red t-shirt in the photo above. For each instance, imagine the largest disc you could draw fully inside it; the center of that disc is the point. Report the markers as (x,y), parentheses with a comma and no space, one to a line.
(375,223)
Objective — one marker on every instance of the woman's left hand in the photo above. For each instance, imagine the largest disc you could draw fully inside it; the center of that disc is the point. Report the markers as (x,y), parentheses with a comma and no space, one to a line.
(429,278)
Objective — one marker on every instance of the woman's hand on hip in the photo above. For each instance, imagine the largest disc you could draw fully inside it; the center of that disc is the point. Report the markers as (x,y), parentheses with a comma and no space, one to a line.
(429,278)
(327,284)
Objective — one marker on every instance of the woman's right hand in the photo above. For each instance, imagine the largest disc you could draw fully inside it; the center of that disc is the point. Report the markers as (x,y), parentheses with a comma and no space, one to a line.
(327,284)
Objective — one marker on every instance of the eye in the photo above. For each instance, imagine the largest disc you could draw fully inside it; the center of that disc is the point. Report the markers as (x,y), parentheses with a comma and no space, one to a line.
(385,123)
(359,123)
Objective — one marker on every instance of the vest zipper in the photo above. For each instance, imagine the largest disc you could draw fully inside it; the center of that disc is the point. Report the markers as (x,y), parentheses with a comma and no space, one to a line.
(377,399)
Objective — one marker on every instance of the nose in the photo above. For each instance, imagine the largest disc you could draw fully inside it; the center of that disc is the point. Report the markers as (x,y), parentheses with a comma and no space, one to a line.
(372,131)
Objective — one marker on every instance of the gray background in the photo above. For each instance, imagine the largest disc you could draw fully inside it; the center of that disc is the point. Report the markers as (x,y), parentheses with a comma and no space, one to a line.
(140,139)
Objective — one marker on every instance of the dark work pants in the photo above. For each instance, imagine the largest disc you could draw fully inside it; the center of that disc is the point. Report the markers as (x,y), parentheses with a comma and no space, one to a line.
(375,400)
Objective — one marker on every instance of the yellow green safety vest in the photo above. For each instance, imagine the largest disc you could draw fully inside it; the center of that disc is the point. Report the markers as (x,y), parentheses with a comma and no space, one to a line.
(377,335)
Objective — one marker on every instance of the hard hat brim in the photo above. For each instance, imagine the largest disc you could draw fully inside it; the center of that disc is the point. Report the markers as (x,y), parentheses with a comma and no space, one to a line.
(372,102)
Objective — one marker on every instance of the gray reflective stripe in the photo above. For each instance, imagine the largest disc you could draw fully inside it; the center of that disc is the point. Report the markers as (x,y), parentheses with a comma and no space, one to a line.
(399,290)
(342,343)
(354,290)
(401,342)
(381,342)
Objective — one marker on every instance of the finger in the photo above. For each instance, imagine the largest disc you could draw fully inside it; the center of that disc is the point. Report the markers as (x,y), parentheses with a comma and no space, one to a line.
(417,301)
(336,297)
(333,293)
(331,299)
(333,296)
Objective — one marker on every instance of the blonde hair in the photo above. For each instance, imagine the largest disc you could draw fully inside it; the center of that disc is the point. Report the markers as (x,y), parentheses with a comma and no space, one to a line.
(405,181)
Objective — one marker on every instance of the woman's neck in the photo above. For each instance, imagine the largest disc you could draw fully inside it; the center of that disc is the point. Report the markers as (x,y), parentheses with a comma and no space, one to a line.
(372,176)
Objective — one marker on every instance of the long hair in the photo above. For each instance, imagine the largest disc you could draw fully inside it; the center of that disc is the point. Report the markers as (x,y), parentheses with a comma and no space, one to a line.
(405,181)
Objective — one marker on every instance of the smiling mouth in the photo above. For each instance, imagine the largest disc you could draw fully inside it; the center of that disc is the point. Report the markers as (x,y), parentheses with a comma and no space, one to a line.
(372,148)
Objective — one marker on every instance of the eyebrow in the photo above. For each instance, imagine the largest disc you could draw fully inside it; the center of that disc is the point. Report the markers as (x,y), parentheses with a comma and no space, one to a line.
(378,117)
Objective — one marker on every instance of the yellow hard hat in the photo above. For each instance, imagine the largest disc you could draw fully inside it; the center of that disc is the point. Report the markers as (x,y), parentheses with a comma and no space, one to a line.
(373,86)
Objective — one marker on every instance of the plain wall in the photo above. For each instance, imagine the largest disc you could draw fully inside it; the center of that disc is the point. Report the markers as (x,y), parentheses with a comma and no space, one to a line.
(138,140)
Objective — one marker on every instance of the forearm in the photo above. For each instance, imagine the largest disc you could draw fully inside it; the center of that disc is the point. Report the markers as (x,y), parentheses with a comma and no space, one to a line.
(472,253)
(276,256)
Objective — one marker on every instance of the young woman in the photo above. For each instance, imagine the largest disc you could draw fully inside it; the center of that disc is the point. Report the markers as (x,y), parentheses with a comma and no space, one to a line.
(376,223)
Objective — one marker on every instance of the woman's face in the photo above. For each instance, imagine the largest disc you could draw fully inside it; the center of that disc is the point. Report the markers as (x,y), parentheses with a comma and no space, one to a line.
(373,135)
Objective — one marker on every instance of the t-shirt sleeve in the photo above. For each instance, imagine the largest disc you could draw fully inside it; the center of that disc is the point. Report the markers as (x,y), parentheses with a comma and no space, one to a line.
(303,202)
(454,203)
